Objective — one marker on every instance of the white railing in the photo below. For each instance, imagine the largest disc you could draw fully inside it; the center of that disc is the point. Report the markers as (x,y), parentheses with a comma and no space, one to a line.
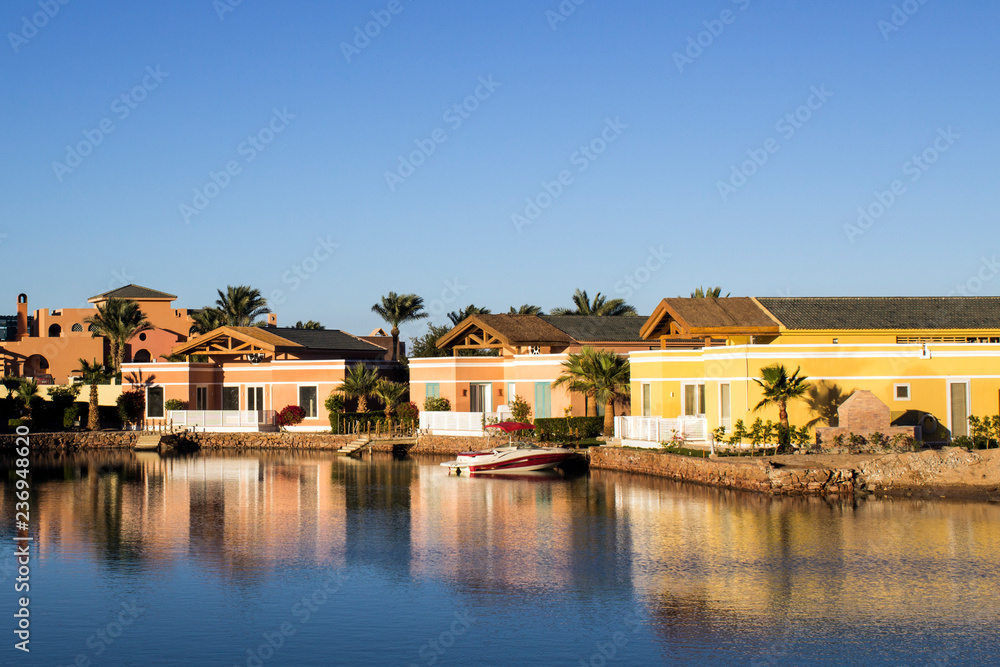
(208,419)
(458,423)
(655,430)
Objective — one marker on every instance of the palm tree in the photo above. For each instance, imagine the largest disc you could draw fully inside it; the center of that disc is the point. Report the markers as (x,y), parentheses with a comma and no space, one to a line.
(601,374)
(207,319)
(707,293)
(93,374)
(309,325)
(360,381)
(526,309)
(118,320)
(27,392)
(241,306)
(391,394)
(779,388)
(396,309)
(599,306)
(459,315)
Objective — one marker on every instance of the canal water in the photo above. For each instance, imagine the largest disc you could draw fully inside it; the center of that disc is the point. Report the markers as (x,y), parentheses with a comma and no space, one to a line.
(308,559)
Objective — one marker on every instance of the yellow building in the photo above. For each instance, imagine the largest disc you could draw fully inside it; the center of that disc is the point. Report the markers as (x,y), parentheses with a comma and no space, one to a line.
(919,355)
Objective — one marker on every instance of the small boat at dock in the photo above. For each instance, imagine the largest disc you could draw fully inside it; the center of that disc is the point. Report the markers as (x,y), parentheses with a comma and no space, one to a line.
(515,456)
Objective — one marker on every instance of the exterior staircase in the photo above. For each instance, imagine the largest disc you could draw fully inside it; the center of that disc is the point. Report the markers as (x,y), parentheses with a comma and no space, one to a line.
(352,447)
(148,442)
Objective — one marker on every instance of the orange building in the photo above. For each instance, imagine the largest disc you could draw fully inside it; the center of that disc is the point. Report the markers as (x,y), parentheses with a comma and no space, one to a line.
(250,373)
(530,352)
(48,345)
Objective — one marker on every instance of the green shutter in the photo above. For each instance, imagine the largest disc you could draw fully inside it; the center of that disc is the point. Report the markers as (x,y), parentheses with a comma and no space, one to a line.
(433,390)
(543,400)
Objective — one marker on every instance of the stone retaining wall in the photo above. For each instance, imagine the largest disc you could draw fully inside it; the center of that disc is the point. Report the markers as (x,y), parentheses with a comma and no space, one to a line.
(760,476)
(101,440)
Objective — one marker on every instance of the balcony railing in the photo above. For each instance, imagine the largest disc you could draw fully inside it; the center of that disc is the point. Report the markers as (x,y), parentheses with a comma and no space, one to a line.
(655,430)
(458,423)
(227,419)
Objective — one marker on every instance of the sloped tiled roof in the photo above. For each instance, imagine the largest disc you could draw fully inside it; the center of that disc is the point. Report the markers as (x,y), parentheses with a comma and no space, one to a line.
(136,292)
(511,329)
(595,328)
(701,316)
(323,339)
(871,313)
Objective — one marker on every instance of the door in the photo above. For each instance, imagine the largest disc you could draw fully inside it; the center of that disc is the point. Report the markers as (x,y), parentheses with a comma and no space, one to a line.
(154,402)
(230,398)
(201,398)
(694,400)
(959,408)
(480,397)
(255,398)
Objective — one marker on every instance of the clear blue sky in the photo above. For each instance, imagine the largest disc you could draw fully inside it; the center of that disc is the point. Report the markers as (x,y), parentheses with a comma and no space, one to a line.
(199,79)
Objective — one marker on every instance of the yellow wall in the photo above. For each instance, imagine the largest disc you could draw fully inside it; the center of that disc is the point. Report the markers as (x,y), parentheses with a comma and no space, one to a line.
(877,367)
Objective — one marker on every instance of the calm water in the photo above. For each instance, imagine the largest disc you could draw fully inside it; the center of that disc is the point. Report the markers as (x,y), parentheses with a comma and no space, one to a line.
(140,560)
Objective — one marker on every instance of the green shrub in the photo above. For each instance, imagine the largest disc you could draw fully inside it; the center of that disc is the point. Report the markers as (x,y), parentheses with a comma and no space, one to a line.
(963,441)
(175,404)
(568,428)
(407,413)
(65,394)
(520,411)
(437,404)
(14,423)
(70,416)
(291,415)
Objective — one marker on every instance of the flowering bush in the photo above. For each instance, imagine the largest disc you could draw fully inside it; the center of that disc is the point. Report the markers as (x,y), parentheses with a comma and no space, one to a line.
(291,415)
(407,412)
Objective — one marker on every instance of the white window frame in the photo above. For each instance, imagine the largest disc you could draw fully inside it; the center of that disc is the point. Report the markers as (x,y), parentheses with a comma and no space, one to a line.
(723,420)
(163,404)
(298,398)
(699,397)
(264,396)
(895,391)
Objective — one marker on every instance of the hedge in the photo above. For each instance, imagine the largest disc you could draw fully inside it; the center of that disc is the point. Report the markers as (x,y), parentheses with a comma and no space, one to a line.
(567,428)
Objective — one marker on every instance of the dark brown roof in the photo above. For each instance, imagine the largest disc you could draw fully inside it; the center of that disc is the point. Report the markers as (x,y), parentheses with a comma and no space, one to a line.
(902,313)
(323,339)
(136,292)
(581,328)
(511,329)
(709,316)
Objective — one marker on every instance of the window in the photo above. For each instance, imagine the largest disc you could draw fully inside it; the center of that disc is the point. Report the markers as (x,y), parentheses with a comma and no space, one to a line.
(154,402)
(694,400)
(480,397)
(308,400)
(511,392)
(646,407)
(433,390)
(55,331)
(230,398)
(901,392)
(534,349)
(201,398)
(92,328)
(77,328)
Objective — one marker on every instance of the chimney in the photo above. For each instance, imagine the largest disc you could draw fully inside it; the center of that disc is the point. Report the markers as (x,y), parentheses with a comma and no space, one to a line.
(22,316)
(272,320)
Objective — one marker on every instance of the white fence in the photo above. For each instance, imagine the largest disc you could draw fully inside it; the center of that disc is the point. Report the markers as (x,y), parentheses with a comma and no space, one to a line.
(458,423)
(651,431)
(210,420)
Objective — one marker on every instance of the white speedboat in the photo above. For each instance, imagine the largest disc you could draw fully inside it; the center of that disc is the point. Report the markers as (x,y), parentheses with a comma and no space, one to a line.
(512,457)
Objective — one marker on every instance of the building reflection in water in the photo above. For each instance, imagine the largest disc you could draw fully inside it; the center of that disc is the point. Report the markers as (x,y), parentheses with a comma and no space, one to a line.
(699,559)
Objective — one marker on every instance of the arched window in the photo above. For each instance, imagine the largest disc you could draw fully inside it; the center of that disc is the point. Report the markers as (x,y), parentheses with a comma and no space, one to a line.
(141,357)
(92,328)
(77,328)
(55,331)
(36,364)
(22,298)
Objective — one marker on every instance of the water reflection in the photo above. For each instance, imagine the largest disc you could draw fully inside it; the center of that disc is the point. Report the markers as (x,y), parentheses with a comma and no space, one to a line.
(705,567)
